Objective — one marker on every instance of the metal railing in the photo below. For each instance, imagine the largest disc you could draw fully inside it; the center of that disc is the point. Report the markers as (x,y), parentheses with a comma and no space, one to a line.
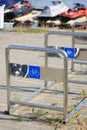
(78,40)
(84,34)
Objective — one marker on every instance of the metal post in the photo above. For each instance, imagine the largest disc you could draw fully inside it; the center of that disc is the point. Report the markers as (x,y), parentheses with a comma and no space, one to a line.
(65,85)
(73,41)
(46,56)
(8,79)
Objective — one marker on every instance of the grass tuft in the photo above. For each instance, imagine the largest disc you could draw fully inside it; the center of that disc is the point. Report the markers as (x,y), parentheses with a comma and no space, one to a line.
(29,30)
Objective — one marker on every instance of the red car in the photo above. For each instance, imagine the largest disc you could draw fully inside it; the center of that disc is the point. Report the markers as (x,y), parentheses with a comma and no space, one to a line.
(78,11)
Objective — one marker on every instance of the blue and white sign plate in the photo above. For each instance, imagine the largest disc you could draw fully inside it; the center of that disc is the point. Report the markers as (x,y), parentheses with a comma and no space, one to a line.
(70,52)
(34,72)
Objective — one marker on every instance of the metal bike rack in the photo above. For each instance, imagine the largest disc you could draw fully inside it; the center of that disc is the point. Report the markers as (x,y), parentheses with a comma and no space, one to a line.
(57,74)
(81,56)
(61,76)
(79,40)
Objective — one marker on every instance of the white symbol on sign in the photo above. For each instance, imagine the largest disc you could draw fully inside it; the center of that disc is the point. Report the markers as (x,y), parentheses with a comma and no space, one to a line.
(34,72)
(69,52)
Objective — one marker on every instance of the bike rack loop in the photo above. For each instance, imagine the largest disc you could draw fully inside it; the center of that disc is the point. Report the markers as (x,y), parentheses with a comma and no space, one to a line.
(73,34)
(29,48)
(73,40)
(62,33)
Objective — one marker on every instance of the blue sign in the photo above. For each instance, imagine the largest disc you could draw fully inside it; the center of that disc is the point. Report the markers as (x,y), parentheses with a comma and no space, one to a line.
(34,72)
(70,52)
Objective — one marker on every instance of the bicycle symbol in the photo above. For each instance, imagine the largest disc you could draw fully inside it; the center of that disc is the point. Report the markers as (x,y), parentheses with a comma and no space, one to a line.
(34,72)
(70,52)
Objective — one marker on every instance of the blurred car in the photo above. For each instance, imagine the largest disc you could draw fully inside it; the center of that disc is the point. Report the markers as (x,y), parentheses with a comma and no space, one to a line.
(17,10)
(25,24)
